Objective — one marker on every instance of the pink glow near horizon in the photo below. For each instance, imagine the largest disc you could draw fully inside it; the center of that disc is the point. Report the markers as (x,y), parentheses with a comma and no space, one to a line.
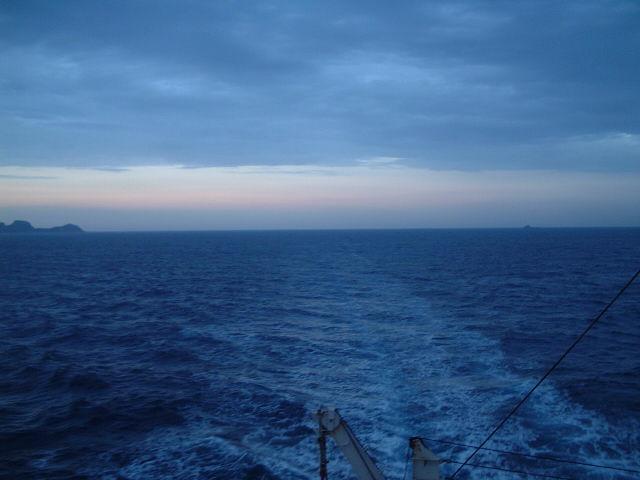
(367,188)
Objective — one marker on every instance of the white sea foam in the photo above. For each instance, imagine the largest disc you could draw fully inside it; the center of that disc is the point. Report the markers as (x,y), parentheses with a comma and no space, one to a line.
(395,366)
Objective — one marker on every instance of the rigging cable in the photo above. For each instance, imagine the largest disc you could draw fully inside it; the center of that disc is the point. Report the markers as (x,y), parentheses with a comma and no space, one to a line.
(519,472)
(548,372)
(528,455)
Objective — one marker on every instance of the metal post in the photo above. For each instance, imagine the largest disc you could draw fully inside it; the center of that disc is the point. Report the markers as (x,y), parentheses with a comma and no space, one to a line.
(322,443)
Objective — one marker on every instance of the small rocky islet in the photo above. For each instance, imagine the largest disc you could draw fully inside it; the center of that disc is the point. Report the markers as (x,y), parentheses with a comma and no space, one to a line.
(22,226)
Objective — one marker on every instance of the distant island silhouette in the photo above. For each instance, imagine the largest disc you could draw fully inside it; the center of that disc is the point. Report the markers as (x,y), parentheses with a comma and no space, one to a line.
(22,226)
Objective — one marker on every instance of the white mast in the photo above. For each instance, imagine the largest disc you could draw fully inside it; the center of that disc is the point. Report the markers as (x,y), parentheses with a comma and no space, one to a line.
(426,466)
(425,463)
(331,423)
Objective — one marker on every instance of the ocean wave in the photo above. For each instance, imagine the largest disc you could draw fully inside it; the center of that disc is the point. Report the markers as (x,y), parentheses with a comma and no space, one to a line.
(205,356)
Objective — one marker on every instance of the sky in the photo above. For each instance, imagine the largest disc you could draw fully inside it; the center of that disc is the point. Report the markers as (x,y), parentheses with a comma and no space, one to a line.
(169,115)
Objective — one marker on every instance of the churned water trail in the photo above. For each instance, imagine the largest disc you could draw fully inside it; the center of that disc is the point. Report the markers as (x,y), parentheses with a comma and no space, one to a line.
(203,355)
(549,371)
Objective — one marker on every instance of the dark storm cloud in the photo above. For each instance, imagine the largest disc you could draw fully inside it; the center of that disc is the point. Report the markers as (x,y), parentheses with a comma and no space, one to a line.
(464,85)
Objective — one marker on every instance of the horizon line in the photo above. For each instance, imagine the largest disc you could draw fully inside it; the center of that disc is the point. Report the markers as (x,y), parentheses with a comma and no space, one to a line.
(303,229)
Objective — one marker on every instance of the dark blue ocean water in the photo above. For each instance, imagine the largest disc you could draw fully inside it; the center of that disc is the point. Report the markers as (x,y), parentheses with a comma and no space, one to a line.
(203,355)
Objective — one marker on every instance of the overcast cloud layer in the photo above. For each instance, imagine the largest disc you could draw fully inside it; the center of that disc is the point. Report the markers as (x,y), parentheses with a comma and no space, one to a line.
(443,85)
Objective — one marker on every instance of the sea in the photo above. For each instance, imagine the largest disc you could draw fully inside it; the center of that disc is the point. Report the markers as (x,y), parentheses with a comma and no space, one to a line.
(203,355)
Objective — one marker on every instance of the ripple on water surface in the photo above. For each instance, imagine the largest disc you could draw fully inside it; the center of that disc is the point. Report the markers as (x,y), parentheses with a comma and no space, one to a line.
(203,355)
